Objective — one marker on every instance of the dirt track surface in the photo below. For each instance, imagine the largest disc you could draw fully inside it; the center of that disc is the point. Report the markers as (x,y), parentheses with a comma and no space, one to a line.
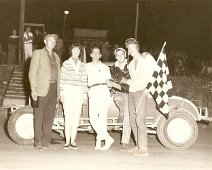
(25,157)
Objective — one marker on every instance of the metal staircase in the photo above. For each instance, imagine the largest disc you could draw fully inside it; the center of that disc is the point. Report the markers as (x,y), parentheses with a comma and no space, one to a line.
(15,92)
(3,80)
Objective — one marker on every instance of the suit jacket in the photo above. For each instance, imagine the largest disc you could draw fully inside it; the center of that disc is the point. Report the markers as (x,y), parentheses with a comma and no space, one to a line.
(40,72)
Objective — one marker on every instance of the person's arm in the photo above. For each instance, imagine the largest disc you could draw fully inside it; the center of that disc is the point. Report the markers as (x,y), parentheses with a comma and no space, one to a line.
(27,37)
(152,65)
(112,72)
(30,36)
(85,84)
(114,85)
(127,78)
(108,77)
(34,64)
(85,79)
(62,82)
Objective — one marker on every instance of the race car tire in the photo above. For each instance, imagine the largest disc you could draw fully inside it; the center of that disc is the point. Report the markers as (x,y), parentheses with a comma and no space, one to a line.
(179,131)
(20,126)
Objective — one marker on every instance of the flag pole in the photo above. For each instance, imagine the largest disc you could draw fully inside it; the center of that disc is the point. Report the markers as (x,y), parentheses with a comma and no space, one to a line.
(21,33)
(136,20)
(164,44)
(139,103)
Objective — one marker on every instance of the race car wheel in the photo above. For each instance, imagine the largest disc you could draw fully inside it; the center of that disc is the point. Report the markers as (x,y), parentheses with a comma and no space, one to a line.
(20,126)
(179,131)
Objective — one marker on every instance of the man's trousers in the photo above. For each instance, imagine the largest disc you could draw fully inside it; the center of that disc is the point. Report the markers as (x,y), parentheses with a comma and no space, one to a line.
(44,116)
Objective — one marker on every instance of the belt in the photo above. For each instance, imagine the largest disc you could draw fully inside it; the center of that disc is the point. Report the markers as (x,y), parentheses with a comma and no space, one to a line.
(53,81)
(98,84)
(28,43)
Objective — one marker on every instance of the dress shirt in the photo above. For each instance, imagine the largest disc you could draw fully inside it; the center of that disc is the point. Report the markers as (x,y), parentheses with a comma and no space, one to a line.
(97,73)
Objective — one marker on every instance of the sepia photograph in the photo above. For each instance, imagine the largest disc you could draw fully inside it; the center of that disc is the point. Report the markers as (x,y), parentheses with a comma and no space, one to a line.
(105,84)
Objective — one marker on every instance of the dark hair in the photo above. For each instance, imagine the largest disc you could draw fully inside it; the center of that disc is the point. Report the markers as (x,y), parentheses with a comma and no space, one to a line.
(95,47)
(73,45)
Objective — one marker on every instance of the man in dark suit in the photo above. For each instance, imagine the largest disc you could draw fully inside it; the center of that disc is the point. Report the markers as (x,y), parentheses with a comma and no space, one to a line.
(44,75)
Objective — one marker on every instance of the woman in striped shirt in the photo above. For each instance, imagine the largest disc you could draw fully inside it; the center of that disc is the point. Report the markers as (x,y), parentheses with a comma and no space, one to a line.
(73,85)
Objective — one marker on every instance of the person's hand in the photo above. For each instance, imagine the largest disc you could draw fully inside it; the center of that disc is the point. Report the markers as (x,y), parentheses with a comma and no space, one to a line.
(109,85)
(34,94)
(62,99)
(146,92)
(123,80)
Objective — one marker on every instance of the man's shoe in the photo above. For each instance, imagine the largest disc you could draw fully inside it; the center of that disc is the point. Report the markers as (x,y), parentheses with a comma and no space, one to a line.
(73,146)
(141,152)
(39,148)
(50,146)
(123,147)
(97,147)
(66,147)
(108,143)
(135,149)
(98,144)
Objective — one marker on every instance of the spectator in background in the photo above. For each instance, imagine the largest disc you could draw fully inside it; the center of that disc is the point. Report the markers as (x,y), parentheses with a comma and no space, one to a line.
(206,67)
(59,47)
(86,49)
(12,47)
(37,40)
(180,67)
(28,37)
(106,51)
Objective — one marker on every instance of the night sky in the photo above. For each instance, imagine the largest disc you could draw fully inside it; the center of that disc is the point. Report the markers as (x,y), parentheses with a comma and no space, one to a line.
(184,24)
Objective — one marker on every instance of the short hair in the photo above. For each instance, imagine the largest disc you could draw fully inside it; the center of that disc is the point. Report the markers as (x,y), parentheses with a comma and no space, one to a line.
(95,47)
(50,35)
(131,41)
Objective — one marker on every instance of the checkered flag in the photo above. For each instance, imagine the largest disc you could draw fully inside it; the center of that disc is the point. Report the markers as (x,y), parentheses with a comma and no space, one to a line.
(160,83)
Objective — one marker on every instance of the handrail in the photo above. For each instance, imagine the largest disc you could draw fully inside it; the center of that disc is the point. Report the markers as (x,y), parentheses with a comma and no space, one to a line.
(7,84)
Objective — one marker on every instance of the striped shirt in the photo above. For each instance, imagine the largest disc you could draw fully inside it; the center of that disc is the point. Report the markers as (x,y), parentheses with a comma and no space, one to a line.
(73,74)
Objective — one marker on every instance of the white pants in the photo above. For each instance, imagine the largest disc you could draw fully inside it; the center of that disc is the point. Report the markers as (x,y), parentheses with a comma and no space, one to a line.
(28,50)
(73,100)
(99,97)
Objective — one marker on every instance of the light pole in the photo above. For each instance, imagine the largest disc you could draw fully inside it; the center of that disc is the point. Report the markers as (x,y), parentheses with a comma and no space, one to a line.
(64,23)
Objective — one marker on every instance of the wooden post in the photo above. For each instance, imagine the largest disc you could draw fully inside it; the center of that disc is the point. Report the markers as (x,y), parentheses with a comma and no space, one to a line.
(21,33)
(64,26)
(136,20)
